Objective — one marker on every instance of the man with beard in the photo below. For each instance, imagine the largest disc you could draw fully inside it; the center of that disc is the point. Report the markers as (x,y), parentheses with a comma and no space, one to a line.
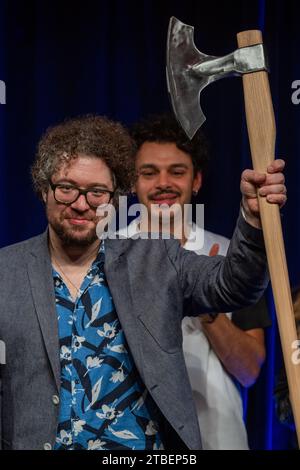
(93,329)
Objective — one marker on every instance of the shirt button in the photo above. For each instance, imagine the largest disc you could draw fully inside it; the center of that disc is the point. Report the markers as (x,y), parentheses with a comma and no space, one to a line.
(47,446)
(55,400)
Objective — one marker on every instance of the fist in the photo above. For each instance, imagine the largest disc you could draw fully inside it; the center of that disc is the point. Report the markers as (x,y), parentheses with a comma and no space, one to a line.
(269,185)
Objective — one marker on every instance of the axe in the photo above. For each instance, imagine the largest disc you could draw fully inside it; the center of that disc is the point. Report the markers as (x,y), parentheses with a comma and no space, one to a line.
(188,72)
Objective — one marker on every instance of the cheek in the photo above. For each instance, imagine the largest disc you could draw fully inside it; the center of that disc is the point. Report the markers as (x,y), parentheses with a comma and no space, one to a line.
(53,210)
(186,190)
(143,189)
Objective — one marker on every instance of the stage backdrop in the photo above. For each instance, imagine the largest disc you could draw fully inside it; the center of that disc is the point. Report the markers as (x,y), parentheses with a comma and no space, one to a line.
(60,59)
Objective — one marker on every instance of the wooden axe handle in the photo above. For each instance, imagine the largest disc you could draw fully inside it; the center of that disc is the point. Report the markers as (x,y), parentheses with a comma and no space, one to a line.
(262,134)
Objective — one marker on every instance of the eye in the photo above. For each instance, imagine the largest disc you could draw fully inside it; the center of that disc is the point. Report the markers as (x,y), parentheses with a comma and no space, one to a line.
(147,173)
(178,172)
(97,192)
(65,188)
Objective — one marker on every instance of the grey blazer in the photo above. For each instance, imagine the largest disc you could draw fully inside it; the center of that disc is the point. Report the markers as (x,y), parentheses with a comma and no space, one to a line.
(152,282)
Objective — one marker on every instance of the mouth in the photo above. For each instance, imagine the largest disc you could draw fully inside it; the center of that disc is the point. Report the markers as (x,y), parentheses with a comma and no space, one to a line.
(167,198)
(78,221)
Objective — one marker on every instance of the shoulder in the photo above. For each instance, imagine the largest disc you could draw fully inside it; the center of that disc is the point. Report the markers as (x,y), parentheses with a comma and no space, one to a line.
(136,246)
(18,250)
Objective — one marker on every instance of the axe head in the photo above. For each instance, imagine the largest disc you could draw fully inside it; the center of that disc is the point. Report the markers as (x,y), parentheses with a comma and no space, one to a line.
(189,70)
(184,85)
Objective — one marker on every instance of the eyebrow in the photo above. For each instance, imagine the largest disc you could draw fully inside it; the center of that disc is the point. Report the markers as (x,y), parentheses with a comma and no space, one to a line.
(152,166)
(73,183)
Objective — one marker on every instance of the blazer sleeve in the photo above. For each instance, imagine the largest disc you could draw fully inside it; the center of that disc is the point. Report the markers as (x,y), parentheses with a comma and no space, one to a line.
(2,365)
(1,391)
(223,284)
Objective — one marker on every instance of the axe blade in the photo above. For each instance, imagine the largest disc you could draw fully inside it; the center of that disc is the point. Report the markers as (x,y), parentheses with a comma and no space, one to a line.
(183,85)
(189,71)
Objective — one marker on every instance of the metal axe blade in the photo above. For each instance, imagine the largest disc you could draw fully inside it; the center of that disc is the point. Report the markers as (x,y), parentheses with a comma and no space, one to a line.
(189,71)
(183,87)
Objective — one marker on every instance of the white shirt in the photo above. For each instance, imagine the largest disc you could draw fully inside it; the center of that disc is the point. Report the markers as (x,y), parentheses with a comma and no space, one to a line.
(217,399)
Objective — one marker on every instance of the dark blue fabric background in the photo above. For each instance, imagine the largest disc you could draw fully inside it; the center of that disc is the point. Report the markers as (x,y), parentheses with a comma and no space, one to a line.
(60,59)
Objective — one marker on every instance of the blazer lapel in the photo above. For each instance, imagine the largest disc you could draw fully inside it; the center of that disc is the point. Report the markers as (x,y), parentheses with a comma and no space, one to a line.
(118,274)
(41,282)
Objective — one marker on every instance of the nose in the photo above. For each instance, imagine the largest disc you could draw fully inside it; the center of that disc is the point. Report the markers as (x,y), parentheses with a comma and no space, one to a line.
(80,204)
(163,180)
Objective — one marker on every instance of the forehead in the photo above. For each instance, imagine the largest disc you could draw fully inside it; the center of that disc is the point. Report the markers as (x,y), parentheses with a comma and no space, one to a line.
(162,154)
(84,170)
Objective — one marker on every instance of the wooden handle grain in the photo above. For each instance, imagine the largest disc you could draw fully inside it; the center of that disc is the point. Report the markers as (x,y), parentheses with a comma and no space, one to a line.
(262,134)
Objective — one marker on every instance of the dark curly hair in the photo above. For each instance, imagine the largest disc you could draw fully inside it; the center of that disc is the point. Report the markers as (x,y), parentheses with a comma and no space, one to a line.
(163,128)
(91,135)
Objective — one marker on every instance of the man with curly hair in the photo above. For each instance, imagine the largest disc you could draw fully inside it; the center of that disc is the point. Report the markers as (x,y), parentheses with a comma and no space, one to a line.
(92,328)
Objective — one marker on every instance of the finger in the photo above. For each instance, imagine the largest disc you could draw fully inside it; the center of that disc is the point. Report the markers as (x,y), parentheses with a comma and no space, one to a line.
(279,199)
(275,178)
(272,189)
(276,198)
(214,249)
(248,189)
(253,177)
(277,165)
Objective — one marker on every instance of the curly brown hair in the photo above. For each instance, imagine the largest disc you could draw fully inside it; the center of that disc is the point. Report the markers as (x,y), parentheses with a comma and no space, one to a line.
(163,128)
(91,135)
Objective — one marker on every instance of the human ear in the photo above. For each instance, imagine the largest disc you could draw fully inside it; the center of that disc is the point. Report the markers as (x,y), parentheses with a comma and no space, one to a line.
(197,182)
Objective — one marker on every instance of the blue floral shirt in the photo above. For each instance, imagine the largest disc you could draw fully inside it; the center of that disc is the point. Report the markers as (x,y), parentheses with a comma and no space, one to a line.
(103,403)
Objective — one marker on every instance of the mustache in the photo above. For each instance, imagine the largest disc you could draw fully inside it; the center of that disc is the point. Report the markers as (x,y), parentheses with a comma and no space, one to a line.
(162,192)
(77,215)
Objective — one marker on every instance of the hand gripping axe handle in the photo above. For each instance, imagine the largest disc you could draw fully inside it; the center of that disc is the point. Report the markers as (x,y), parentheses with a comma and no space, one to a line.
(262,134)
(188,72)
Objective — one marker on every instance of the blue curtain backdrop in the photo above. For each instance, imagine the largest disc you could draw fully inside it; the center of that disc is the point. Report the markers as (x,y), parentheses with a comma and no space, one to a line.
(61,59)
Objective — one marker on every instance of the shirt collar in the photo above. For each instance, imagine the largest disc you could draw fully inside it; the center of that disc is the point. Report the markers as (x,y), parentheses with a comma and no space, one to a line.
(98,263)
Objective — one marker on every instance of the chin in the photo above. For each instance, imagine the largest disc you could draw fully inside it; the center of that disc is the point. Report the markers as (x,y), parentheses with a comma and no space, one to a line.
(72,239)
(76,236)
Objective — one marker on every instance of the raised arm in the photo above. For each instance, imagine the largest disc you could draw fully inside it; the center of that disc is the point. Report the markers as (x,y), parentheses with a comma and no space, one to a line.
(226,284)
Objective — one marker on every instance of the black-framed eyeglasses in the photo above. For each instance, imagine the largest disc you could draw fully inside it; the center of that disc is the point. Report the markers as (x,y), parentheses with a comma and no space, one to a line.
(67,193)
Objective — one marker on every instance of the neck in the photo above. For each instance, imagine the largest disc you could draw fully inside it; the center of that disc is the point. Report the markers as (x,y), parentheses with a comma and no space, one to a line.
(72,254)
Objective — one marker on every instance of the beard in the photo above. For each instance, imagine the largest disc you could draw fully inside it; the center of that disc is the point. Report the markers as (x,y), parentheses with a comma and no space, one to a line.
(72,236)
